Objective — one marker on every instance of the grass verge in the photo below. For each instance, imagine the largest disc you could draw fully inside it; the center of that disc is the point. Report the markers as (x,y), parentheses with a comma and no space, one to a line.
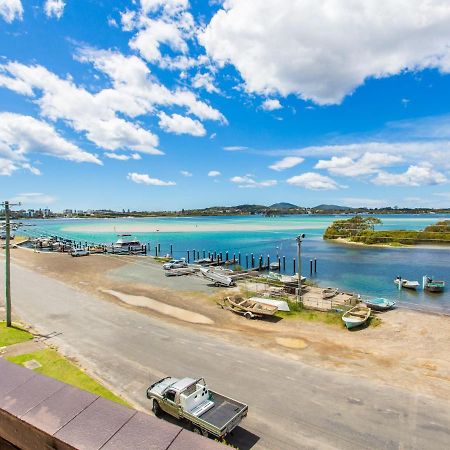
(13,335)
(328,317)
(58,367)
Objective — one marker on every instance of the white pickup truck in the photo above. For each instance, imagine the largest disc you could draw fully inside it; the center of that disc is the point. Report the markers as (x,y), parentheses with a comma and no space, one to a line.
(208,412)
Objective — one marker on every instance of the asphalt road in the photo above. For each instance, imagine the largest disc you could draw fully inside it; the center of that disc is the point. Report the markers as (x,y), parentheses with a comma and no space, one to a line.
(291,405)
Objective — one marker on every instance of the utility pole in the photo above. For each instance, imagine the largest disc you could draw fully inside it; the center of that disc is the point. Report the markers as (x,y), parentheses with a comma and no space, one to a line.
(7,205)
(299,240)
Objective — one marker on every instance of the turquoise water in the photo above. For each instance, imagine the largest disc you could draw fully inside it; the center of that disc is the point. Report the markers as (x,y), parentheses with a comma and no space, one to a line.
(366,270)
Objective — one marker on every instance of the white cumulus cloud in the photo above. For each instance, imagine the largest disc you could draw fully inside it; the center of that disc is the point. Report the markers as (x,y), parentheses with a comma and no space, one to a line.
(54,8)
(271,104)
(214,173)
(286,163)
(368,163)
(415,175)
(313,181)
(204,81)
(248,182)
(186,173)
(21,135)
(143,178)
(122,157)
(323,51)
(181,125)
(11,10)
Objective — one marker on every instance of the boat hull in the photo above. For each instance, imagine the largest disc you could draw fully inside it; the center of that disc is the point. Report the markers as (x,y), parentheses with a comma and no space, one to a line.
(380,305)
(434,288)
(351,325)
(356,316)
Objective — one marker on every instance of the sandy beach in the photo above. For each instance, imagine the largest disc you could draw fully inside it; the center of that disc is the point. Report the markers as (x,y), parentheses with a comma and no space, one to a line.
(409,349)
(180,227)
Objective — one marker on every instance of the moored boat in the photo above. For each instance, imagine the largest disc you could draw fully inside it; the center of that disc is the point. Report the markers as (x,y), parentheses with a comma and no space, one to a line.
(380,304)
(407,284)
(433,285)
(356,316)
(126,243)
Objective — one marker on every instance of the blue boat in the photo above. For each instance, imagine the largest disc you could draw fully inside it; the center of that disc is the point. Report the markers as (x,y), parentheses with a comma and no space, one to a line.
(380,304)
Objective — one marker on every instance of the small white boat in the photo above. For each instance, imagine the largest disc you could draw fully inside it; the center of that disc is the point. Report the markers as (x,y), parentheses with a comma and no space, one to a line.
(286,279)
(218,278)
(407,284)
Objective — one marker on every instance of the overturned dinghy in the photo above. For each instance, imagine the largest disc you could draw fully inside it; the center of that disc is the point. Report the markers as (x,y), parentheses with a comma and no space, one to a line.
(380,304)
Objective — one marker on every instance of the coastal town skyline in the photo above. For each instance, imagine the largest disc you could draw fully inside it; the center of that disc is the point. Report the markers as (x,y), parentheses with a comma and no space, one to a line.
(156,105)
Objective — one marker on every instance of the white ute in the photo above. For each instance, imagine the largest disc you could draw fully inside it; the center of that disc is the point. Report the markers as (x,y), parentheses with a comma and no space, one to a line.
(175,264)
(79,252)
(208,412)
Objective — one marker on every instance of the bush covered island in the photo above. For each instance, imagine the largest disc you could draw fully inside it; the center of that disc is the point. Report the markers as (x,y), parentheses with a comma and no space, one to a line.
(361,229)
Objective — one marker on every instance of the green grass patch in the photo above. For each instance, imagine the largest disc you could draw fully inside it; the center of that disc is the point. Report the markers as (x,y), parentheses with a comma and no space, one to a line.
(333,318)
(58,367)
(13,335)
(161,259)
(298,312)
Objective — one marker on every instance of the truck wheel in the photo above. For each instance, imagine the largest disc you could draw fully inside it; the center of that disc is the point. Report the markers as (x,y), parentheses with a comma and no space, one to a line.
(198,430)
(248,315)
(156,409)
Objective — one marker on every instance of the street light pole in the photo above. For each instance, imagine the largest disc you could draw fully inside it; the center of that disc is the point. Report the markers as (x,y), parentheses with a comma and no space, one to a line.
(7,205)
(299,240)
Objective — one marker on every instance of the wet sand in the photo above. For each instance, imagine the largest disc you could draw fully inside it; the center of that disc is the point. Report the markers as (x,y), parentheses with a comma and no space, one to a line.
(409,349)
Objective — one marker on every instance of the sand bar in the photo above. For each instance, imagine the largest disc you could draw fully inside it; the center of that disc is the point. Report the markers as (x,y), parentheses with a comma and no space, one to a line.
(182,227)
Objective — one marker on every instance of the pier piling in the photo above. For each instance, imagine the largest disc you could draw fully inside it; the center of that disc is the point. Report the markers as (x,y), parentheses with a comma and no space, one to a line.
(268,261)
(171,250)
(284,262)
(315,265)
(204,254)
(188,255)
(253,261)
(279,264)
(310,266)
(226,256)
(246,261)
(294,265)
(260,262)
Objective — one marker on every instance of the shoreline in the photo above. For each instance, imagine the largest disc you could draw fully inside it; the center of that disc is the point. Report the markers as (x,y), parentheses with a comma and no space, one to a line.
(347,241)
(404,335)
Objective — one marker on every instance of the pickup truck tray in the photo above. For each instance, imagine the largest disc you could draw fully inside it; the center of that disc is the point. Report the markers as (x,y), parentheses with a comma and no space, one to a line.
(223,411)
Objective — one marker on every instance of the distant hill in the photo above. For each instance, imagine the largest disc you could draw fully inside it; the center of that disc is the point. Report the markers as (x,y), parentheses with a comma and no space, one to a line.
(332,208)
(283,205)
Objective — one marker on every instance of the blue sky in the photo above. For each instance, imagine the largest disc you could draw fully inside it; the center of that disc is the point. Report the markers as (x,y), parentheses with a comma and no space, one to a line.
(174,104)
